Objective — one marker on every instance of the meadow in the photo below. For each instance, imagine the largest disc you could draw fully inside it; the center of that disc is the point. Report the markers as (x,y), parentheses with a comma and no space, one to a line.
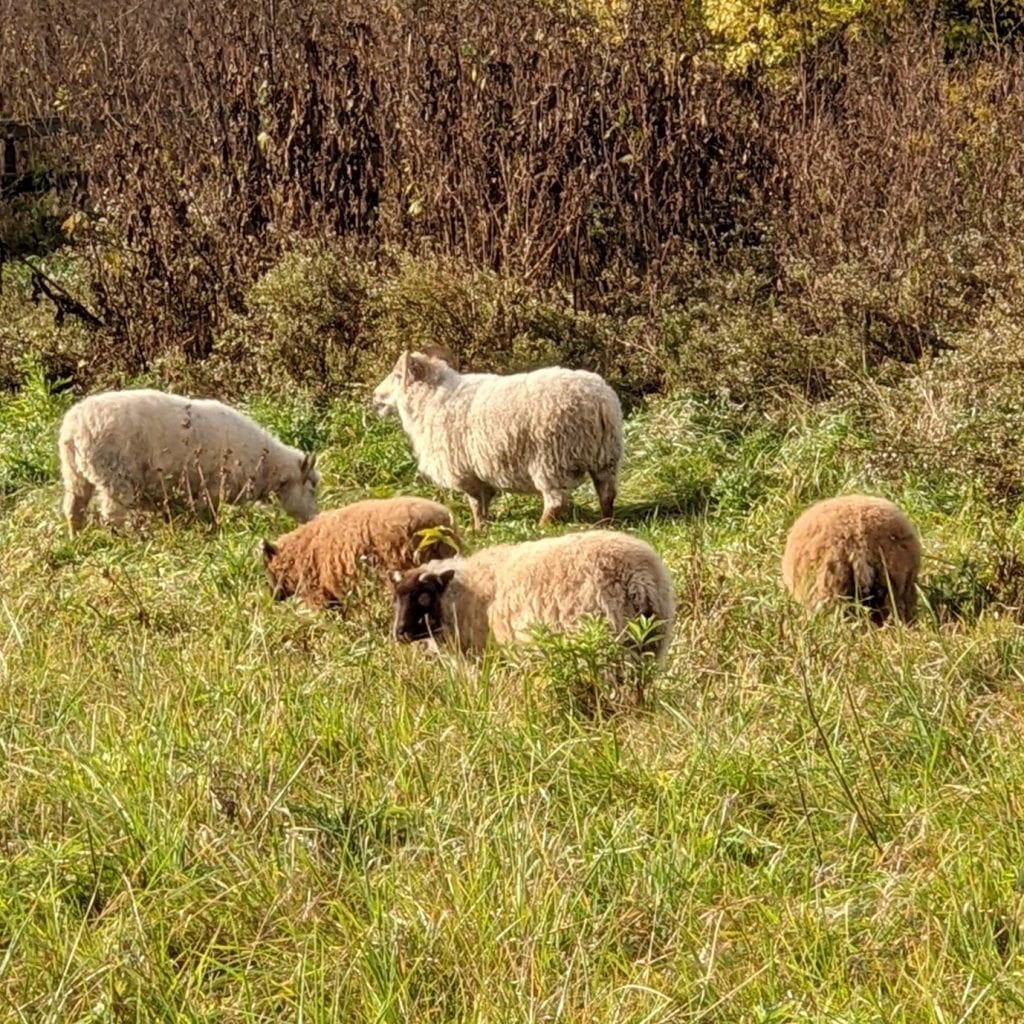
(790,236)
(218,808)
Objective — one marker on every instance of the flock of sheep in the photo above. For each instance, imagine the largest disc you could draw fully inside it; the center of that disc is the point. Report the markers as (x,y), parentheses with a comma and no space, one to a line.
(539,432)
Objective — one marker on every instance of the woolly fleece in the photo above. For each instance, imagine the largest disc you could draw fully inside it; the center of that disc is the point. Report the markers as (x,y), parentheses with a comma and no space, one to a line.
(138,449)
(854,548)
(538,432)
(506,589)
(319,561)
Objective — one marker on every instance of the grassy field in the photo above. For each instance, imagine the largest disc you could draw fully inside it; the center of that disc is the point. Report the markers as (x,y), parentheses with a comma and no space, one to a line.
(217,808)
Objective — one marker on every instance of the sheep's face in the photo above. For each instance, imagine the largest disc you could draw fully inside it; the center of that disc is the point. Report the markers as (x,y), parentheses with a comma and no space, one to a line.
(298,493)
(385,395)
(280,587)
(417,603)
(410,368)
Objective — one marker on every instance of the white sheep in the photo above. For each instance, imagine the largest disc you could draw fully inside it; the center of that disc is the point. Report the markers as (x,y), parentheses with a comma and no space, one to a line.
(140,449)
(480,433)
(503,591)
(321,560)
(854,548)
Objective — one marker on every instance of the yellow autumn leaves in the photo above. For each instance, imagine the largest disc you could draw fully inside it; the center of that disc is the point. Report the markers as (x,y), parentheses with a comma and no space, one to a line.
(741,32)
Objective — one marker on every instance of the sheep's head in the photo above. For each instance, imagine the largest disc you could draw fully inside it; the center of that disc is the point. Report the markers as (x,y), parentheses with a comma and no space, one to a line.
(297,492)
(443,353)
(410,368)
(280,586)
(417,603)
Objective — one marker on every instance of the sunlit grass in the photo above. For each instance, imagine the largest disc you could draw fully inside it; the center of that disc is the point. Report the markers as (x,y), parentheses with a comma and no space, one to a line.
(218,808)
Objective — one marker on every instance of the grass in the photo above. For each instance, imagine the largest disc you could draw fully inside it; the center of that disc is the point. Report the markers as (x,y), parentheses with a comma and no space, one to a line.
(218,808)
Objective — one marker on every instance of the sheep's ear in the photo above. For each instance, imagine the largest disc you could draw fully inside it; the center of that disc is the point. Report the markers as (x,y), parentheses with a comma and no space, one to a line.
(415,367)
(269,550)
(444,353)
(308,465)
(444,578)
(394,578)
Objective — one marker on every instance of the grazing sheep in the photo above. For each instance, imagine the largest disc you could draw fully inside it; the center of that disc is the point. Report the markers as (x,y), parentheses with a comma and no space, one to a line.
(320,560)
(855,548)
(137,449)
(529,432)
(503,590)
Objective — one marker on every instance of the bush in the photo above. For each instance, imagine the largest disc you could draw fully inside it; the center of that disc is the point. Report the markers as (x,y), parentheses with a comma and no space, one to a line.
(540,192)
(28,428)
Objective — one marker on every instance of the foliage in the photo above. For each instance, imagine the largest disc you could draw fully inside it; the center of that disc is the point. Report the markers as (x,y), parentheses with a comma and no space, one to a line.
(976,23)
(219,807)
(301,211)
(436,536)
(777,34)
(28,451)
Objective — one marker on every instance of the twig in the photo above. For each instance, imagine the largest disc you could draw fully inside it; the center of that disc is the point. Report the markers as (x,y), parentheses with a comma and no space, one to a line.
(858,807)
(42,284)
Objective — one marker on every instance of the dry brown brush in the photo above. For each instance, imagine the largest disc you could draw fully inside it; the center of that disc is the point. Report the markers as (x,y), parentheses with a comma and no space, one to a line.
(872,190)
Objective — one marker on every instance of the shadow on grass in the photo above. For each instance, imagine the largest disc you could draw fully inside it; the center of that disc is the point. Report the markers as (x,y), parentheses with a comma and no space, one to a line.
(961,591)
(684,504)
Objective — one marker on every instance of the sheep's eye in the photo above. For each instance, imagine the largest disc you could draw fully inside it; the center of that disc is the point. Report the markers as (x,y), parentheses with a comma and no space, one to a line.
(424,600)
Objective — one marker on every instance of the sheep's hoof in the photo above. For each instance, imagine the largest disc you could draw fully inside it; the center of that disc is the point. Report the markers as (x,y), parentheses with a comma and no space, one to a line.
(551,515)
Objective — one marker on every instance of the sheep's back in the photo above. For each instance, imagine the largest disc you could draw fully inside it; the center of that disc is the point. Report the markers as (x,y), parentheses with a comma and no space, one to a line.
(569,421)
(387,529)
(844,545)
(560,580)
(162,434)
(374,534)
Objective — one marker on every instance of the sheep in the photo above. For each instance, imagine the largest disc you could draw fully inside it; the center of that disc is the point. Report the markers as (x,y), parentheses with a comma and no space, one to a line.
(136,449)
(320,560)
(502,591)
(856,548)
(480,433)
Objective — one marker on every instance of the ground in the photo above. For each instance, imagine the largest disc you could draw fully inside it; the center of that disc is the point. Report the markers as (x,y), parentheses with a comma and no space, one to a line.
(214,807)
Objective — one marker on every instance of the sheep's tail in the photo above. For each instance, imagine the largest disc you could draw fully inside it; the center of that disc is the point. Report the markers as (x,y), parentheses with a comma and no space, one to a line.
(609,418)
(857,580)
(71,468)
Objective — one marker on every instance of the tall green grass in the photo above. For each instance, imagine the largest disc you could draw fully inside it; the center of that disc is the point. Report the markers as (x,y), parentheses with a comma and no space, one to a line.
(218,808)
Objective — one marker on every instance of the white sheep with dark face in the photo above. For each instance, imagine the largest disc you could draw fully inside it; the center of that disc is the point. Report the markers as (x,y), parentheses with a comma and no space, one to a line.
(144,449)
(504,590)
(854,548)
(480,433)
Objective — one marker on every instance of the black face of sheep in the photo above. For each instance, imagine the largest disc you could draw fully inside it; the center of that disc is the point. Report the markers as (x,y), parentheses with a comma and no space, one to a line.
(278,588)
(417,604)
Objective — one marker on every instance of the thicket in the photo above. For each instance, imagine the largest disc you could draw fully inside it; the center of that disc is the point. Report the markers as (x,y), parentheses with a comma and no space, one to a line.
(266,192)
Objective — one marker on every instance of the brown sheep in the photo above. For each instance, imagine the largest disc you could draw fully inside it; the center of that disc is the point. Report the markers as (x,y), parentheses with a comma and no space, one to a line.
(320,561)
(855,548)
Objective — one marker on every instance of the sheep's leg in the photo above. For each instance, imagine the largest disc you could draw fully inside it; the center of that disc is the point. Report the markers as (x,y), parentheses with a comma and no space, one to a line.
(77,494)
(479,500)
(906,601)
(113,510)
(78,489)
(555,503)
(604,484)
